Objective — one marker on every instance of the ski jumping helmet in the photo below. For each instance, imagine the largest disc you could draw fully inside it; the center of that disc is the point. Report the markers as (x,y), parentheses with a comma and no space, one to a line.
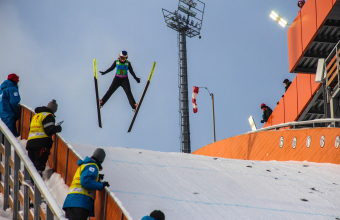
(123,54)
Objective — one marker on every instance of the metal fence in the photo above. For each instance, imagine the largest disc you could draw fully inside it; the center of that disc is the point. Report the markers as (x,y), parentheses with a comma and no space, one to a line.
(331,122)
(331,69)
(63,160)
(12,182)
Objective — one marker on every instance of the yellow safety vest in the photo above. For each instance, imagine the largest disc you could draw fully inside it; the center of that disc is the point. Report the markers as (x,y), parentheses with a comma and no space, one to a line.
(37,128)
(76,187)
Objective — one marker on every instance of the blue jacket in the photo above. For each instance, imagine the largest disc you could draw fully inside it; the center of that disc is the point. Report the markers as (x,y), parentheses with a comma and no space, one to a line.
(147,218)
(9,100)
(88,181)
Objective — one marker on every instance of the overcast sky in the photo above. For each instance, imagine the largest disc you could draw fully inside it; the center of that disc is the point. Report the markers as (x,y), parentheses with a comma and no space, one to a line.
(242,58)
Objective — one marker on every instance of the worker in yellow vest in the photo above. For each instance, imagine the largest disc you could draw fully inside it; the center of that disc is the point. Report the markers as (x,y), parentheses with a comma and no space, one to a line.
(40,136)
(79,202)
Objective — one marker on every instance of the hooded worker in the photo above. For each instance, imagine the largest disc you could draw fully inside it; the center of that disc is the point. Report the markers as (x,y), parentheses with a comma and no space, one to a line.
(40,140)
(79,202)
(9,102)
(287,84)
(301,3)
(266,112)
(155,215)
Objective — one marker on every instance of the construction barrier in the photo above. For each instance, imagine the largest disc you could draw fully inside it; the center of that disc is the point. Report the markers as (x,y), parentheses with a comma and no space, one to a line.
(63,160)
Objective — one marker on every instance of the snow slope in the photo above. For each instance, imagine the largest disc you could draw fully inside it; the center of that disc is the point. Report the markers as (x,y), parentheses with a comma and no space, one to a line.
(197,187)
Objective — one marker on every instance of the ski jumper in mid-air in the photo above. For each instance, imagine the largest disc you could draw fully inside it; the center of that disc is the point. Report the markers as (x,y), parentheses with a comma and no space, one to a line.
(121,79)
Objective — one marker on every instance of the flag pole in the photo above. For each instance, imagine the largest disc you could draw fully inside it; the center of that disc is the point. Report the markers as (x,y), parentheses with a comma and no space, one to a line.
(213,115)
(213,111)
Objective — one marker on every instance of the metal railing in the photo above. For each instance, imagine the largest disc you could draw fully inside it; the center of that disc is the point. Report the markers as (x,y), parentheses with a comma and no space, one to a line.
(63,160)
(295,124)
(124,213)
(8,183)
(331,68)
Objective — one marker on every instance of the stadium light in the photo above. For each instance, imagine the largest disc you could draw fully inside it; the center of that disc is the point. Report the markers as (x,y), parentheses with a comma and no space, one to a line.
(187,20)
(190,3)
(276,17)
(187,11)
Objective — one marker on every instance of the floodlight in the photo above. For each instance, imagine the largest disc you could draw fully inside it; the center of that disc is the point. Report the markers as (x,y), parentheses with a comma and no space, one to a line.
(278,19)
(274,16)
(320,71)
(283,22)
(179,16)
(252,123)
(183,9)
(193,14)
(192,22)
(187,11)
(194,5)
(183,18)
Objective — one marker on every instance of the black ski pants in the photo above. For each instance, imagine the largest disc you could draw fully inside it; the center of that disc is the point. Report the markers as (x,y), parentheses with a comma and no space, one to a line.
(39,157)
(123,82)
(76,213)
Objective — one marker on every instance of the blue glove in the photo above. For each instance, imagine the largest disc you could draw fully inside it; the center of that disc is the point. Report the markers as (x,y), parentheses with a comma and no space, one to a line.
(262,121)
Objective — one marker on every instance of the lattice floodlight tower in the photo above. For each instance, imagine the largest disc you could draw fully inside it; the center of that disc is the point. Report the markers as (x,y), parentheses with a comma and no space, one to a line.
(187,21)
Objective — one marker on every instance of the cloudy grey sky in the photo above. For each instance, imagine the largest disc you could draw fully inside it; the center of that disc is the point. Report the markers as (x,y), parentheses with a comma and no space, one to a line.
(242,58)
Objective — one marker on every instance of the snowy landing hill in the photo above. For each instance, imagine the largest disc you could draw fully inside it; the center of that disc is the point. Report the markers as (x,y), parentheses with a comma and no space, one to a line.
(194,187)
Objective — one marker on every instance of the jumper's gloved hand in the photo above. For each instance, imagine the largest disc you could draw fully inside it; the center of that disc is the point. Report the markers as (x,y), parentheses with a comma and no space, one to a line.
(137,79)
(106,184)
(101,176)
(102,72)
(262,121)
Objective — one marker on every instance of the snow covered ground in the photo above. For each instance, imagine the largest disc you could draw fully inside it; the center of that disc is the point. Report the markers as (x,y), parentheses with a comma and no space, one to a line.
(197,187)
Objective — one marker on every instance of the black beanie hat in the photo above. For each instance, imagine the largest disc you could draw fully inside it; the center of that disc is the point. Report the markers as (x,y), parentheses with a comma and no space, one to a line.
(99,155)
(158,215)
(286,80)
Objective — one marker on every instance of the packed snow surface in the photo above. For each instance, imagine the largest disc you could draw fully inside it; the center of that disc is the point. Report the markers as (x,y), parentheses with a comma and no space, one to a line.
(186,186)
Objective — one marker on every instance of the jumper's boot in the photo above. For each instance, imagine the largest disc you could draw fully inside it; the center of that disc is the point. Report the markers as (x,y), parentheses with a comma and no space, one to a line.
(136,104)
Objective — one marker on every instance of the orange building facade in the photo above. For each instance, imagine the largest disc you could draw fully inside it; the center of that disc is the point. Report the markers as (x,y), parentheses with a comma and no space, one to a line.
(308,144)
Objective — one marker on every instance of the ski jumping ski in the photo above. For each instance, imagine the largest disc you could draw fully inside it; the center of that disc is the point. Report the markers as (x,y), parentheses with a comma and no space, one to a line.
(97,94)
(142,97)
